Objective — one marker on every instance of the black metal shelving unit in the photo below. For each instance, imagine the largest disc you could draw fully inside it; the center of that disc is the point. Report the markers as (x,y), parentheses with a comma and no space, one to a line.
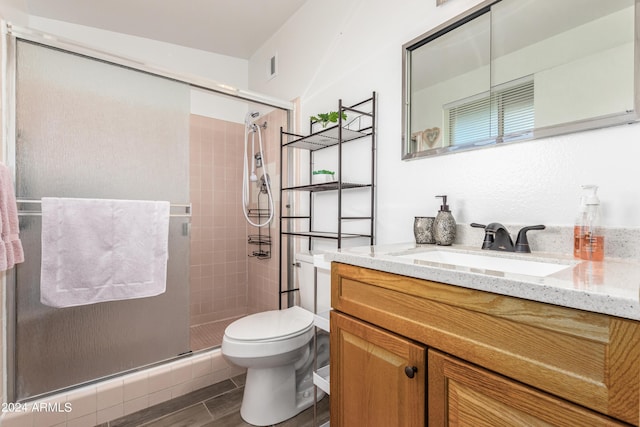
(331,138)
(361,124)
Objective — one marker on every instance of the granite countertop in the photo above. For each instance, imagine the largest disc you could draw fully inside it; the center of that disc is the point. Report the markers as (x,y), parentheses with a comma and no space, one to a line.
(609,287)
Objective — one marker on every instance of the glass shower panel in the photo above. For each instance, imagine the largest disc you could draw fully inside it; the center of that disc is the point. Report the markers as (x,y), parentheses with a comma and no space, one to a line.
(90,129)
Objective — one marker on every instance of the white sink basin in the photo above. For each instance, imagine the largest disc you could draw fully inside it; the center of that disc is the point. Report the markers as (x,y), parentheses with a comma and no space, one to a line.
(485,262)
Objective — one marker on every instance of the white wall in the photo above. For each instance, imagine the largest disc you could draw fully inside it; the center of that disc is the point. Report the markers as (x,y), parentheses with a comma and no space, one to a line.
(13,11)
(348,48)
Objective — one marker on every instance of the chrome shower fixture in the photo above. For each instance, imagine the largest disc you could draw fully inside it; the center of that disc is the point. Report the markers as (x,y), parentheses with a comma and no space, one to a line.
(249,121)
(257,160)
(250,117)
(265,181)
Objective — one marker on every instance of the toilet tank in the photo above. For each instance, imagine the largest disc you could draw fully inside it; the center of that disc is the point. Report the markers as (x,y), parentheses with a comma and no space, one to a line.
(304,281)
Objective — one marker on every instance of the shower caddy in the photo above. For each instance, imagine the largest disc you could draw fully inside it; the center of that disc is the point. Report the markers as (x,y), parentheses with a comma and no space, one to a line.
(263,239)
(360,123)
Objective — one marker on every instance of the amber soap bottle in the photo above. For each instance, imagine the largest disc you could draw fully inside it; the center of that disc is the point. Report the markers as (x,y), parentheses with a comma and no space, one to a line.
(578,228)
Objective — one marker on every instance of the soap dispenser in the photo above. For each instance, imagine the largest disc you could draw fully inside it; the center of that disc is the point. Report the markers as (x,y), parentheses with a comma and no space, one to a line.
(444,227)
(578,228)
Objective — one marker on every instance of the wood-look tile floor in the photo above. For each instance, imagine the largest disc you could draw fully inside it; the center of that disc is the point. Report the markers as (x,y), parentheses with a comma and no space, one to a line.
(217,405)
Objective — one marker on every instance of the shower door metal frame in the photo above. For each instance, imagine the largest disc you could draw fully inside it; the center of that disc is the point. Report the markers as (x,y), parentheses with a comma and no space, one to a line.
(13,31)
(11,34)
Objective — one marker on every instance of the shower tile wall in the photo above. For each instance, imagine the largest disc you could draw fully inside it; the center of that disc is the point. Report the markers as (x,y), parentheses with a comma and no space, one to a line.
(226,282)
(218,263)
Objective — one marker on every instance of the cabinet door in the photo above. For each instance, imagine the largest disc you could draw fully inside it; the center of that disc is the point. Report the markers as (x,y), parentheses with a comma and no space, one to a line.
(461,394)
(377,377)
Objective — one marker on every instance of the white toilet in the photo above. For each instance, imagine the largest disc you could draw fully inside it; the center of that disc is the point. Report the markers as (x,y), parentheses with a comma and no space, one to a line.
(276,347)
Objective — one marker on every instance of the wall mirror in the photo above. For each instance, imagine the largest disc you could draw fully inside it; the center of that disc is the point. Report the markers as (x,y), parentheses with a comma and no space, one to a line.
(512,70)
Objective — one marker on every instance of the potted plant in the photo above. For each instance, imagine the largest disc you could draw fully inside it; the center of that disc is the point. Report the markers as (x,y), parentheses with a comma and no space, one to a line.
(325,118)
(323,175)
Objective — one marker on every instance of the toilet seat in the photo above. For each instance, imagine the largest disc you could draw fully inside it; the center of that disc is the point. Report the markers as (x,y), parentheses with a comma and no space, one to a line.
(271,325)
(269,333)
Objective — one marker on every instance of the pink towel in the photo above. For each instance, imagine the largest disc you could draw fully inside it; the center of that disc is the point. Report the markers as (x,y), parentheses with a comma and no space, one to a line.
(10,248)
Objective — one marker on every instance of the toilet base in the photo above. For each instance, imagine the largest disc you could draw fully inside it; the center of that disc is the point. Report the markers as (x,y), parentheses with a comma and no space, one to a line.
(270,395)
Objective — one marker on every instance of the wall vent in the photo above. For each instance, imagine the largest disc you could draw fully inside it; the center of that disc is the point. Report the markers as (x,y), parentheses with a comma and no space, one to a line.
(272,67)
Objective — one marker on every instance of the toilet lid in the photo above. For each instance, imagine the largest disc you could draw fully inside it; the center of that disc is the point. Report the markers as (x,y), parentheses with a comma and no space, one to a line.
(270,325)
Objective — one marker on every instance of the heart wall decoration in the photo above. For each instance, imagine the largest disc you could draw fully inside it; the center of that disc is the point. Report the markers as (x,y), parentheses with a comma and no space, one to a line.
(431,136)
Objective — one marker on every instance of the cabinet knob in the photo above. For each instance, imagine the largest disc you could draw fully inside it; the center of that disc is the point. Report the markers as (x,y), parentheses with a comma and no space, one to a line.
(410,371)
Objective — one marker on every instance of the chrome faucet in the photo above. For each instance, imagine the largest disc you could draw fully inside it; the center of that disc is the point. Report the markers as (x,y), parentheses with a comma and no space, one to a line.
(497,238)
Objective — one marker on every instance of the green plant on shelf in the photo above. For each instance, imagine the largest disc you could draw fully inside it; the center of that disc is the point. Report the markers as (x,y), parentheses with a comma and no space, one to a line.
(325,118)
(323,172)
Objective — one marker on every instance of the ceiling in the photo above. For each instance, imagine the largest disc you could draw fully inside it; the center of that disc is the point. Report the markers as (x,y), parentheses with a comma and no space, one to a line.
(229,27)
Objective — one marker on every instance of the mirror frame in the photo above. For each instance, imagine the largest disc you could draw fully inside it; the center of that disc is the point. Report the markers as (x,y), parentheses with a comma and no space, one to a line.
(615,119)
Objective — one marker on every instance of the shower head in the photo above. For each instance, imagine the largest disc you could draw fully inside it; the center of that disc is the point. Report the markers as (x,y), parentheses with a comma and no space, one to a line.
(250,117)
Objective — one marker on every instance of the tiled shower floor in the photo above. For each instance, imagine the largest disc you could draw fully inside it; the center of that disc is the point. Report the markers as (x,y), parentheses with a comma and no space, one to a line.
(217,405)
(208,335)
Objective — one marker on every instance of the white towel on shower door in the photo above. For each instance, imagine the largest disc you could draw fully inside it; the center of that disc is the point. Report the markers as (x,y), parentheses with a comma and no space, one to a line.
(96,250)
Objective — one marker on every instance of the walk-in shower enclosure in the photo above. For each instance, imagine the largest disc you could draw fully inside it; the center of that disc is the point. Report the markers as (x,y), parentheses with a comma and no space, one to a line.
(86,124)
(90,129)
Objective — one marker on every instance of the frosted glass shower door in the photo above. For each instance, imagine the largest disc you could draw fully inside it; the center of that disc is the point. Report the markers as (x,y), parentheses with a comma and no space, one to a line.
(90,129)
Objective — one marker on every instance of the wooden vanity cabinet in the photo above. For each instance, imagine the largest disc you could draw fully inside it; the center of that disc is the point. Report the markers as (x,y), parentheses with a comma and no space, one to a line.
(462,394)
(380,379)
(492,359)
